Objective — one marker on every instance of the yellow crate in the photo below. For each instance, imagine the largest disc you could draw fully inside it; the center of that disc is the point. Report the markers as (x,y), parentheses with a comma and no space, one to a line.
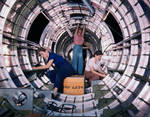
(74,85)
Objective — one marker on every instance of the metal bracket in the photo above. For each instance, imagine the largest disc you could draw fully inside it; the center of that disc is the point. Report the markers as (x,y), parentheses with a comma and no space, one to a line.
(20,99)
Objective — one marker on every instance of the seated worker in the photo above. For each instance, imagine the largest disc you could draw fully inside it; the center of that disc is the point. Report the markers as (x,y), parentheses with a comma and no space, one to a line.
(62,69)
(93,69)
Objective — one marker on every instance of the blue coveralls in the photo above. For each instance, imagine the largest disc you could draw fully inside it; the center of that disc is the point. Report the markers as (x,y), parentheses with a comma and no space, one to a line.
(62,70)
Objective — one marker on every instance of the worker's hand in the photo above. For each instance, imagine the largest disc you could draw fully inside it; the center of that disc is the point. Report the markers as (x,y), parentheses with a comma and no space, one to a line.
(87,44)
(33,68)
(84,25)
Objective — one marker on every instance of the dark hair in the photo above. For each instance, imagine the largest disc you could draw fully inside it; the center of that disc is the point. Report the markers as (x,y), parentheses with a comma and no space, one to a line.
(98,52)
(41,49)
(80,29)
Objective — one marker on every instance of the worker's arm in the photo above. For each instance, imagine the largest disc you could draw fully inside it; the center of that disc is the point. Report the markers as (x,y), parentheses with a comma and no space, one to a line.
(47,66)
(97,73)
(83,31)
(101,71)
(77,29)
(87,45)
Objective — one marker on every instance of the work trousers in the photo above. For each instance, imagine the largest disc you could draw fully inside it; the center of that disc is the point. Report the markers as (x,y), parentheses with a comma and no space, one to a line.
(58,75)
(77,61)
(89,76)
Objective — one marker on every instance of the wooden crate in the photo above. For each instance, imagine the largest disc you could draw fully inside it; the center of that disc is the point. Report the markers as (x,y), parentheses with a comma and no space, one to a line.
(74,85)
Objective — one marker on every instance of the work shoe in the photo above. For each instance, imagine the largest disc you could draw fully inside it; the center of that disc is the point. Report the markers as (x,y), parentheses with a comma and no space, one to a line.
(55,95)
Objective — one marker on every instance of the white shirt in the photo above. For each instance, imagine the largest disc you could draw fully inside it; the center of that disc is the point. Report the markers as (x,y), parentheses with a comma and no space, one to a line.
(91,64)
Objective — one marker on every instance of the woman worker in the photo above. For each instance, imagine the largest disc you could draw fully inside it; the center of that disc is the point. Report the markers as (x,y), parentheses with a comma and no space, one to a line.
(62,69)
